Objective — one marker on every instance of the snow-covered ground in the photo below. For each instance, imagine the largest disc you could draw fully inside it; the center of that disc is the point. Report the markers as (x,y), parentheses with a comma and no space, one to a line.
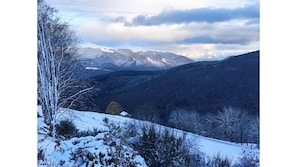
(209,146)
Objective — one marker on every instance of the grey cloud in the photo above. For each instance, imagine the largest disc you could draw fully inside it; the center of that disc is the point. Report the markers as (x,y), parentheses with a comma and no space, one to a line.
(253,21)
(212,40)
(198,15)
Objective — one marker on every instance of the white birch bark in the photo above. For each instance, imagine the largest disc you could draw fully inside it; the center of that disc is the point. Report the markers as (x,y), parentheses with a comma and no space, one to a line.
(53,78)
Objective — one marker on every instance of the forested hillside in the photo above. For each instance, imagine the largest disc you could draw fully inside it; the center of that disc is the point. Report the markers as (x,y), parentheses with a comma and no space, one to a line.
(202,86)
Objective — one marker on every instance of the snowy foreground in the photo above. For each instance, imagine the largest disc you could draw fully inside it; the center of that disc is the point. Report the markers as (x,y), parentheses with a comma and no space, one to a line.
(89,120)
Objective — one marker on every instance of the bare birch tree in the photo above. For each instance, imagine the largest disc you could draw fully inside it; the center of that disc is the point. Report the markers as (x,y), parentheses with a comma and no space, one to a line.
(253,130)
(231,123)
(210,125)
(55,50)
(186,120)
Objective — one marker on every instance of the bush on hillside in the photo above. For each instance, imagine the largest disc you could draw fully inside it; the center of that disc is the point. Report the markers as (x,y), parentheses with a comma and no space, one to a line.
(67,129)
(218,161)
(114,108)
(164,148)
(248,159)
(93,132)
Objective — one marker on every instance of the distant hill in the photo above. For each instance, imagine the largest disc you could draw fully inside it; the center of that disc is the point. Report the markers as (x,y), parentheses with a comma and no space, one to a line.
(202,86)
(102,60)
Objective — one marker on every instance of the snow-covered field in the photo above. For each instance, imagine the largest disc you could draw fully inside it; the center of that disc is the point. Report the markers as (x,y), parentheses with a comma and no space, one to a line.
(90,120)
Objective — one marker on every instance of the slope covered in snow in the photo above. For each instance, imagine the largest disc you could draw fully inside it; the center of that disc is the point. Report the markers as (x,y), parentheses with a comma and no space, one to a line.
(101,149)
(85,121)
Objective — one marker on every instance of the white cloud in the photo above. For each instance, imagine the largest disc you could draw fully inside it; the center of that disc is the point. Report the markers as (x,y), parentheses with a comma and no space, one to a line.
(101,31)
(94,22)
(207,51)
(111,31)
(143,6)
(130,8)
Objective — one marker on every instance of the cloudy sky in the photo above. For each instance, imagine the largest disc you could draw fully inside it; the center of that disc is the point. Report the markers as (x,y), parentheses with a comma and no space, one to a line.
(206,29)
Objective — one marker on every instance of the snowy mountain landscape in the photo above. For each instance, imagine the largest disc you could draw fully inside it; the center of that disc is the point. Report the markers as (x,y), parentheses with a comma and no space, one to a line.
(75,151)
(128,58)
(138,137)
(120,88)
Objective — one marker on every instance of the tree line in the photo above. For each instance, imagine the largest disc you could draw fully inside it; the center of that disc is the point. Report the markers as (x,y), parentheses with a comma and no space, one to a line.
(229,124)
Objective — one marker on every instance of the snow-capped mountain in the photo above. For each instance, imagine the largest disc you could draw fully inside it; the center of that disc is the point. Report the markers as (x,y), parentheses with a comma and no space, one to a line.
(109,59)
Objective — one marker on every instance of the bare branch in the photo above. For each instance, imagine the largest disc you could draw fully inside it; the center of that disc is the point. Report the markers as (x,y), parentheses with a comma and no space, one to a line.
(55,50)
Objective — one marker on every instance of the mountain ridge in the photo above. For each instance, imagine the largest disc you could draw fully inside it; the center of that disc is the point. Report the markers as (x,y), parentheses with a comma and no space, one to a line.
(200,86)
(95,61)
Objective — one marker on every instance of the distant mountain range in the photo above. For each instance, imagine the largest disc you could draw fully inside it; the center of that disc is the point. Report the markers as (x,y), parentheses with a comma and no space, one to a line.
(94,61)
(201,86)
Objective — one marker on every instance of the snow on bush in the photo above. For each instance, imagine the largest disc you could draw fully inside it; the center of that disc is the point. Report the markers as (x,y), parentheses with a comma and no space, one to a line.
(87,151)
(104,149)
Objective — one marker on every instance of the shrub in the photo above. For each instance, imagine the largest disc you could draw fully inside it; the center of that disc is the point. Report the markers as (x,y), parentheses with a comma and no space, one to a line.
(67,129)
(114,108)
(219,161)
(248,159)
(40,155)
(121,154)
(163,148)
(93,132)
